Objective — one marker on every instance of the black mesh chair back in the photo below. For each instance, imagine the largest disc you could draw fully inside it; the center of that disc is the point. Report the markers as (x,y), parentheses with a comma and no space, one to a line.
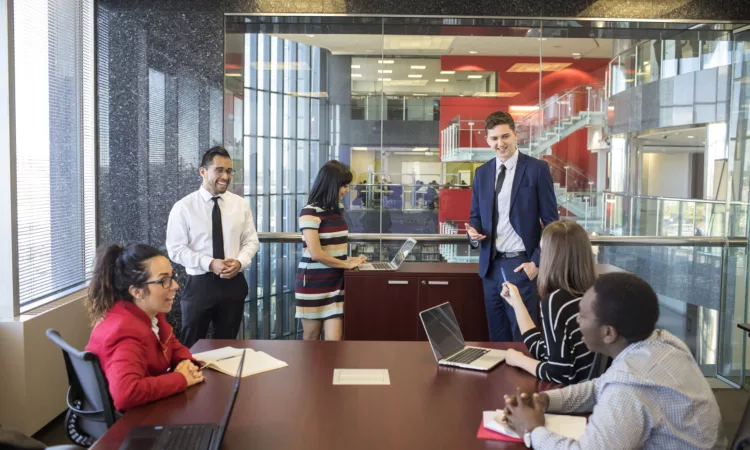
(742,438)
(90,409)
(599,366)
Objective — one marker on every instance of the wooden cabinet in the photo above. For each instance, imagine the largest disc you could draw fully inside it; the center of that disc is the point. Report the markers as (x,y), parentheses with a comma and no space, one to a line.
(384,306)
(380,308)
(466,297)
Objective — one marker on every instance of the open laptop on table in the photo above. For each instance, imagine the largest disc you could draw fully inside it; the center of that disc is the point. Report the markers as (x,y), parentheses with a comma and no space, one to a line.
(397,260)
(448,344)
(201,436)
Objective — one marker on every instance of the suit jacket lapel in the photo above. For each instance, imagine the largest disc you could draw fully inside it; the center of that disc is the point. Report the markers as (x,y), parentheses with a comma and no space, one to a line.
(520,169)
(490,185)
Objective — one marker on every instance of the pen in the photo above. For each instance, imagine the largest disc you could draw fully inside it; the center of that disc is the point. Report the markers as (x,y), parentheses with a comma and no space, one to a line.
(502,271)
(228,357)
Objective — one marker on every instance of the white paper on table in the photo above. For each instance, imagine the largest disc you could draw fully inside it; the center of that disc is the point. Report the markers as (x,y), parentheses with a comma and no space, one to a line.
(361,377)
(567,426)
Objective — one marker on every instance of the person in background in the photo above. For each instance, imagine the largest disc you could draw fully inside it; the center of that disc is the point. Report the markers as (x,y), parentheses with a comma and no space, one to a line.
(131,290)
(319,288)
(211,233)
(513,198)
(653,396)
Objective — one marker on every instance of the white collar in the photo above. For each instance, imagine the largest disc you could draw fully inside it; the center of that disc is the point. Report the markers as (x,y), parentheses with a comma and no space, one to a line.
(205,195)
(509,164)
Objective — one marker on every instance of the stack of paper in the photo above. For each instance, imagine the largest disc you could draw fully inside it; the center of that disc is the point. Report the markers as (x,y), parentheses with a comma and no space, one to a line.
(227,359)
(568,426)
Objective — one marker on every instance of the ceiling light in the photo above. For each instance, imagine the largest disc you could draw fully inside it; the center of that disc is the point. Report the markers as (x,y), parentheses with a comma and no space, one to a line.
(355,66)
(359,148)
(447,72)
(385,71)
(691,137)
(495,94)
(384,79)
(576,55)
(420,149)
(385,61)
(645,63)
(232,74)
(473,52)
(542,39)
(412,75)
(310,35)
(474,77)
(419,95)
(441,80)
(356,75)
(523,108)
(534,67)
(418,67)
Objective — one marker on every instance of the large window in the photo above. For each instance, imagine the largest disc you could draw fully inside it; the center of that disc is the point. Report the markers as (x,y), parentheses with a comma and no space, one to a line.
(54,137)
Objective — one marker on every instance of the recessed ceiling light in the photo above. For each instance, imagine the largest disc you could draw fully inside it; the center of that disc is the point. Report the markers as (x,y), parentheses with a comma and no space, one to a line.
(419,95)
(310,35)
(576,55)
(447,72)
(418,67)
(385,71)
(473,52)
(691,137)
(232,74)
(542,39)
(355,66)
(384,79)
(441,80)
(359,148)
(413,75)
(474,77)
(420,149)
(534,67)
(385,61)
(645,63)
(356,75)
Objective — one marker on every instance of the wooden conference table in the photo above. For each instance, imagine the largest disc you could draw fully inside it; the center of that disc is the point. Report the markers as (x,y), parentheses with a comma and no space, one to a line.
(425,406)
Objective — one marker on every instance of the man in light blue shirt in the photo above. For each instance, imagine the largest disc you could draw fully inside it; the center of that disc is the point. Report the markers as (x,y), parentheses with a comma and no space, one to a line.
(654,395)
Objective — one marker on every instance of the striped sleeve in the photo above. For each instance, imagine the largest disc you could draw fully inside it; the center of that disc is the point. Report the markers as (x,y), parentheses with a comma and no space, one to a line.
(309,219)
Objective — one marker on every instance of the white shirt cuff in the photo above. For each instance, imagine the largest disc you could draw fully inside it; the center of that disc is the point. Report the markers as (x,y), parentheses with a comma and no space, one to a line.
(205,262)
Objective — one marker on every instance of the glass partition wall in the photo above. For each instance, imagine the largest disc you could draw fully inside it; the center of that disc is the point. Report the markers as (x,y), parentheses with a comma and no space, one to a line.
(402,101)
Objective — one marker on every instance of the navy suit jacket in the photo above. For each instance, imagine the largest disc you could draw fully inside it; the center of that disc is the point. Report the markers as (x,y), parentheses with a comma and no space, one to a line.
(532,205)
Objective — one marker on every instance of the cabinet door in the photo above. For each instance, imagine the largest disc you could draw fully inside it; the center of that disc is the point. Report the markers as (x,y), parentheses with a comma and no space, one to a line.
(465,295)
(380,307)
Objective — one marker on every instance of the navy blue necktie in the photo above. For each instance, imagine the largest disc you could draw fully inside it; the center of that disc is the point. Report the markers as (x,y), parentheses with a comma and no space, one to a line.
(495,212)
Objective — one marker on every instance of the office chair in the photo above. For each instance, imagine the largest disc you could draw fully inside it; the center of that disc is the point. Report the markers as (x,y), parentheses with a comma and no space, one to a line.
(742,438)
(90,408)
(599,366)
(15,440)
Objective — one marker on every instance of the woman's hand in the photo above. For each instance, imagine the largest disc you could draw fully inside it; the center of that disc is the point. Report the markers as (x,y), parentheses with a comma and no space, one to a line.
(190,371)
(511,295)
(513,357)
(355,261)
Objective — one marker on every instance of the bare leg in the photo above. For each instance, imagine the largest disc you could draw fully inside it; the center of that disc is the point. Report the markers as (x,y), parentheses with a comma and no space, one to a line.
(311,329)
(333,329)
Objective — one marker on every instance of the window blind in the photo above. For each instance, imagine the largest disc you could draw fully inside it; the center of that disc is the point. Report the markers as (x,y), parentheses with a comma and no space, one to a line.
(55,152)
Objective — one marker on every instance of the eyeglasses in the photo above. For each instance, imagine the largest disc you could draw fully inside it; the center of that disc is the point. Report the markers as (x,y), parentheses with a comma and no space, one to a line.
(165,282)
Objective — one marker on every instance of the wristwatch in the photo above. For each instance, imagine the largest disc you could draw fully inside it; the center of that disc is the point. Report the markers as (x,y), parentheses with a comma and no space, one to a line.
(527,439)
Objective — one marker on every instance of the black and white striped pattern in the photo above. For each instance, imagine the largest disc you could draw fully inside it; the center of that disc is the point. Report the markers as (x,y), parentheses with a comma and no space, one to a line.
(564,358)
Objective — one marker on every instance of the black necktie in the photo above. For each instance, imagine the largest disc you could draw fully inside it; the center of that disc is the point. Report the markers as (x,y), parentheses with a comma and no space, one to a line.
(496,213)
(218,235)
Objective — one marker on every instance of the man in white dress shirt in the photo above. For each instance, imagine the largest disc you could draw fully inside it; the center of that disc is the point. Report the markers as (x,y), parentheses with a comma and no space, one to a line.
(211,233)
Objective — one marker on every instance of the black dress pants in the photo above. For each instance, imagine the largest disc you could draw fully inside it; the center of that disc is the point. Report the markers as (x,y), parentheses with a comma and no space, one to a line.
(207,298)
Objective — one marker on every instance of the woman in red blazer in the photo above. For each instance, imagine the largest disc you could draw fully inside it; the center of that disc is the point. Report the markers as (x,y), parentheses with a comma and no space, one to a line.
(131,289)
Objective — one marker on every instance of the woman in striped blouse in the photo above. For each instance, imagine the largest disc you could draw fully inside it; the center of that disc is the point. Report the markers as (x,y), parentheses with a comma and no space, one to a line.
(320,275)
(566,272)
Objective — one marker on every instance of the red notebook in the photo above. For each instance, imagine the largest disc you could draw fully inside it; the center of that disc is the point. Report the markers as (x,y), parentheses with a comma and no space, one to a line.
(484,433)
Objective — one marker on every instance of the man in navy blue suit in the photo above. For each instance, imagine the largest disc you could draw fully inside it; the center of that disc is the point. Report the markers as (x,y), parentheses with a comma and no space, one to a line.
(513,198)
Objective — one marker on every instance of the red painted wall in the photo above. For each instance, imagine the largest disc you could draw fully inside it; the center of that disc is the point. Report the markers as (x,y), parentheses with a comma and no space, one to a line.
(573,150)
(455,205)
(469,108)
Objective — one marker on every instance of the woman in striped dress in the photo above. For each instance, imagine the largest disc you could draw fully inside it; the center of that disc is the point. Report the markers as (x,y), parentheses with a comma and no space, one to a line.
(566,272)
(319,289)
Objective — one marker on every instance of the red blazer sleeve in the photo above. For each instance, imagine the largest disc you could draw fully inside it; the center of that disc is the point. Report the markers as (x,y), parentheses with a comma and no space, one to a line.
(128,382)
(179,351)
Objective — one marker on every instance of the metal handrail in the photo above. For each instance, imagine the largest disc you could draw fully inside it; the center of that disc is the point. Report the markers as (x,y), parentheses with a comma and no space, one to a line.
(615,241)
(675,199)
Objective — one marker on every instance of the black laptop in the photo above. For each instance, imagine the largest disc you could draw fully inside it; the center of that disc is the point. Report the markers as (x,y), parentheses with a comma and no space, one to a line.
(201,436)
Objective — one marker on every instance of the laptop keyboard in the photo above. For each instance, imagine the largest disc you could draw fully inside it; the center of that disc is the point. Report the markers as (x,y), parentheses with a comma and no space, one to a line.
(381,266)
(468,355)
(181,437)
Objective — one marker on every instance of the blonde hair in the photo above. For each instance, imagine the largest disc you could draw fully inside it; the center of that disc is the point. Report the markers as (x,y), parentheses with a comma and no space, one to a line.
(567,261)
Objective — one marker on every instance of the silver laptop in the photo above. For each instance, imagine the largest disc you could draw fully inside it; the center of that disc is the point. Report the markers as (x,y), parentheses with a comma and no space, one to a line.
(448,344)
(397,260)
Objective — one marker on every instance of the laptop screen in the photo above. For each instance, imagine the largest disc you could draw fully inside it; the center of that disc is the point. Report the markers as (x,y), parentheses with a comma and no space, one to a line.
(403,252)
(442,330)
